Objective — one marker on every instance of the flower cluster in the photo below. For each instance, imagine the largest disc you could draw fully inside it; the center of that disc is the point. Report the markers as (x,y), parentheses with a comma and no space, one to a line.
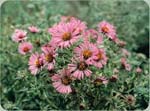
(20,36)
(88,51)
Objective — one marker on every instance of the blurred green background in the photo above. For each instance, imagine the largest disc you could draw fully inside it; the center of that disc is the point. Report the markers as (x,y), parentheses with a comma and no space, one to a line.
(131,18)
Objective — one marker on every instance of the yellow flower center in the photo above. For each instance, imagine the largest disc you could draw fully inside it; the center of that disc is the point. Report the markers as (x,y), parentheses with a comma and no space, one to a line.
(66,36)
(26,49)
(98,81)
(87,54)
(82,66)
(37,63)
(99,56)
(49,57)
(105,29)
(66,80)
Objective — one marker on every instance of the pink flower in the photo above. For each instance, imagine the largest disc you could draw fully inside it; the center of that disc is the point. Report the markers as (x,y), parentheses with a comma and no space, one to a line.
(19,35)
(67,18)
(78,25)
(62,81)
(35,63)
(138,70)
(123,60)
(79,68)
(131,100)
(114,78)
(63,34)
(108,29)
(25,47)
(48,45)
(120,42)
(128,67)
(93,36)
(86,50)
(100,80)
(125,52)
(53,44)
(49,56)
(115,71)
(33,29)
(125,64)
(99,58)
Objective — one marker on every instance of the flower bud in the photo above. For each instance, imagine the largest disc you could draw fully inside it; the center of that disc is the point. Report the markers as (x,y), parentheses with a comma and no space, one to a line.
(113,78)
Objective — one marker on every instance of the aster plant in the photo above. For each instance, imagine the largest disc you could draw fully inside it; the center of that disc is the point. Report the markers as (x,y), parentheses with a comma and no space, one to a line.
(87,67)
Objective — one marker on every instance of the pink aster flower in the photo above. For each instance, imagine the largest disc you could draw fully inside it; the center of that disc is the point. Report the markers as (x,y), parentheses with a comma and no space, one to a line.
(120,42)
(79,68)
(35,63)
(67,18)
(115,71)
(86,50)
(33,29)
(123,60)
(63,34)
(78,26)
(19,35)
(108,29)
(114,78)
(99,58)
(101,80)
(131,100)
(52,44)
(128,67)
(93,36)
(138,70)
(49,56)
(25,47)
(125,52)
(48,45)
(125,64)
(62,81)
